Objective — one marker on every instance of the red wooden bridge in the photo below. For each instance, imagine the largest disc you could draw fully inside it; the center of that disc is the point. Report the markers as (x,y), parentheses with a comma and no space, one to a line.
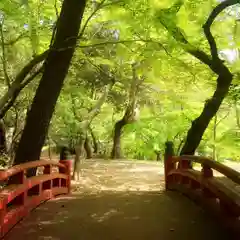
(121,200)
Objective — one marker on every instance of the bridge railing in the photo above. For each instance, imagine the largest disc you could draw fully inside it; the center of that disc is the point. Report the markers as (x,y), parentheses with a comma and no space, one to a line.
(205,188)
(20,194)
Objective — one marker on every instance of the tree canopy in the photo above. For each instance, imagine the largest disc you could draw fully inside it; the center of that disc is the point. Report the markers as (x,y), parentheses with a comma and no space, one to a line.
(157,70)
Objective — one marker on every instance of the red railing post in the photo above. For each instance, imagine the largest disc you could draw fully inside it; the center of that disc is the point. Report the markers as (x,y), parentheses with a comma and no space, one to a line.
(184,164)
(47,169)
(66,161)
(207,171)
(168,162)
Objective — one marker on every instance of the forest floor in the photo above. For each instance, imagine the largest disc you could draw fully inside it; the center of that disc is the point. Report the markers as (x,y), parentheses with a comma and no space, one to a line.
(119,200)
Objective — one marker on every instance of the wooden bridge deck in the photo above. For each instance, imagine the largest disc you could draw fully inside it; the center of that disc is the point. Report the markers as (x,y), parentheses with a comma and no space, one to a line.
(119,201)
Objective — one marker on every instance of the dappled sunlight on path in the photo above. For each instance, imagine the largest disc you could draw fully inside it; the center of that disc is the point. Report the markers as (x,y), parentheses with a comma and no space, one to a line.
(120,176)
(119,201)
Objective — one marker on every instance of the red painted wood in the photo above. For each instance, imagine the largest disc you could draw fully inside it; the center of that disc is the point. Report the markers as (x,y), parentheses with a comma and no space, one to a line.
(221,198)
(23,167)
(219,167)
(169,166)
(23,194)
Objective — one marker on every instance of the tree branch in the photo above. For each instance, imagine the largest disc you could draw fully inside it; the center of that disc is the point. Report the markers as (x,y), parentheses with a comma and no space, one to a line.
(237,115)
(219,121)
(20,79)
(179,37)
(4,61)
(116,42)
(55,26)
(150,40)
(74,108)
(13,41)
(53,33)
(100,70)
(207,27)
(28,67)
(15,93)
(29,79)
(96,109)
(202,56)
(218,9)
(212,62)
(123,42)
(100,6)
(56,10)
(86,120)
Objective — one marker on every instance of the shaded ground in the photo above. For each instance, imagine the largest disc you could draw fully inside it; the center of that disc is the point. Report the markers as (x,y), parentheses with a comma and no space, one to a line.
(119,201)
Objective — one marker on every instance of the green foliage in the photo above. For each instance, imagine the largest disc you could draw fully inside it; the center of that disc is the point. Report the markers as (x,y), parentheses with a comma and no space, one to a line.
(175,85)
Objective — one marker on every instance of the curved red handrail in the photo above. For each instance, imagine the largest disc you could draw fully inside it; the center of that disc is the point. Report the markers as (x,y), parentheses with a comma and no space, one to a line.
(219,167)
(25,166)
(21,194)
(203,187)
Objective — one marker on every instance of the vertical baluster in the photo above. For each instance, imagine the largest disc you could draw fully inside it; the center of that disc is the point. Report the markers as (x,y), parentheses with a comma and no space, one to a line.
(18,178)
(207,173)
(47,169)
(64,159)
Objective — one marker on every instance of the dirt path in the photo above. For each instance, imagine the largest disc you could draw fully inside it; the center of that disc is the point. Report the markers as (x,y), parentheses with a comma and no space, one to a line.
(119,201)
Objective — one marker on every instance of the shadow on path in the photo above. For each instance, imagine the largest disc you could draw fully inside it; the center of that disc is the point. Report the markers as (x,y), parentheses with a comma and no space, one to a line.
(121,215)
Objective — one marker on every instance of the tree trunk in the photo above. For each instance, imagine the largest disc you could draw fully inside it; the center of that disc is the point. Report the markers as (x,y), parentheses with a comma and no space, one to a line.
(95,143)
(49,148)
(131,113)
(88,148)
(55,69)
(158,154)
(79,151)
(180,146)
(116,150)
(237,114)
(213,61)
(3,146)
(214,154)
(211,107)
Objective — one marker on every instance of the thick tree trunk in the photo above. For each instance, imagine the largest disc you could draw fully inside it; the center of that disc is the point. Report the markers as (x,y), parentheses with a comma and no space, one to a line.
(55,69)
(211,107)
(116,150)
(86,121)
(131,113)
(88,148)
